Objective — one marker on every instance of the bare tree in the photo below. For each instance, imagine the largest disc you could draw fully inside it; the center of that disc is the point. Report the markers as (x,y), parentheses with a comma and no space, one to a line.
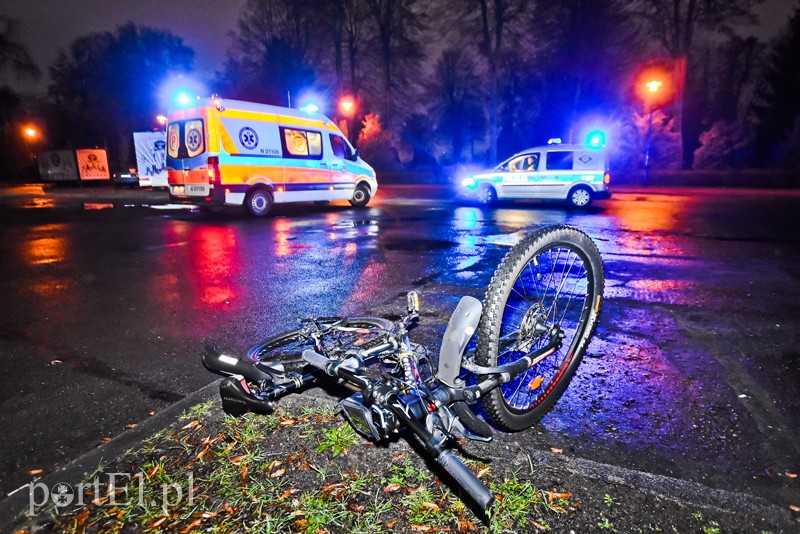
(14,55)
(398,25)
(496,21)
(675,24)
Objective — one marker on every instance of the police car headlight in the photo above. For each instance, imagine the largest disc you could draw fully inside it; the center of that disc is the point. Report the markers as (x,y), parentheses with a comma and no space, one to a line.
(469,183)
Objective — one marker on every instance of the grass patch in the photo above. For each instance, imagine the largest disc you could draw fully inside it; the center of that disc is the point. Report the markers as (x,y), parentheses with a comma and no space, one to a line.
(263,474)
(339,439)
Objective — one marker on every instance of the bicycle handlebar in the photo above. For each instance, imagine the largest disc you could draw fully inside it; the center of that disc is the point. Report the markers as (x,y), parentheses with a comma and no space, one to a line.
(482,495)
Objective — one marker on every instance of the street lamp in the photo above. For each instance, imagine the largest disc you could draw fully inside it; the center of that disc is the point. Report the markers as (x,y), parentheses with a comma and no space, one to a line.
(652,86)
(31,135)
(347,108)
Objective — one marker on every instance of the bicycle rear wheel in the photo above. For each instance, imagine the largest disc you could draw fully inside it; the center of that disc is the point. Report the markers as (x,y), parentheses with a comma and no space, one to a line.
(288,347)
(552,277)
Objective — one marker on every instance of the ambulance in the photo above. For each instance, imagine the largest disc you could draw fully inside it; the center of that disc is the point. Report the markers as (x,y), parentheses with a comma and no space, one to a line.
(231,153)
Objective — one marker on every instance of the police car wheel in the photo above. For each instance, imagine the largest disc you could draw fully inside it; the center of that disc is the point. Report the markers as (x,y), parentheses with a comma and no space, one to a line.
(258,202)
(360,196)
(487,195)
(580,197)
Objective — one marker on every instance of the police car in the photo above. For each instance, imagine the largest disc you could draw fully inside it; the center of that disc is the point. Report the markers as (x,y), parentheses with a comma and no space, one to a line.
(571,172)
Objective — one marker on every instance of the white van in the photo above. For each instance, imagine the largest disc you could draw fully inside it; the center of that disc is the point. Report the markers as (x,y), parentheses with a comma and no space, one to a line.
(575,173)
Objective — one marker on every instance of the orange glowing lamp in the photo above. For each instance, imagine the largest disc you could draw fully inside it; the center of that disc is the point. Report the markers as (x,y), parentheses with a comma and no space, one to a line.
(653,85)
(347,106)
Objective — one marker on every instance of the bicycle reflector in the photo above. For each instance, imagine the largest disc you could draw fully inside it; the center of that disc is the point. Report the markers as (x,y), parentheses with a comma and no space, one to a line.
(412,300)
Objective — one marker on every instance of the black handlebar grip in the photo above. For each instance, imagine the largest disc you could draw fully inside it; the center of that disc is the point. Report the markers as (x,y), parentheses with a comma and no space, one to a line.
(482,495)
(317,360)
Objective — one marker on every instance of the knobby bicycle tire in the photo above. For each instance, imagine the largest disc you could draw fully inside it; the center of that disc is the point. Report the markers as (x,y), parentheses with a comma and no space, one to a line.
(553,276)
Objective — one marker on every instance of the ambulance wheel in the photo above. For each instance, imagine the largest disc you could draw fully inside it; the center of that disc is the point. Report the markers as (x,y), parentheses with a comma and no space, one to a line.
(258,202)
(360,197)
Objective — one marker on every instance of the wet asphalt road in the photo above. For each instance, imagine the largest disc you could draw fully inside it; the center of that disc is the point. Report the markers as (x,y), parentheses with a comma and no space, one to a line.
(108,296)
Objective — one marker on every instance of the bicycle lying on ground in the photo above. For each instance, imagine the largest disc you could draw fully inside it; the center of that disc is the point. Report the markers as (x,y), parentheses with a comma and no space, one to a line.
(538,315)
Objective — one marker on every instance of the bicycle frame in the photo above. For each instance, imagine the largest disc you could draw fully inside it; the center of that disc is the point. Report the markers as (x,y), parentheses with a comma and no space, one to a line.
(434,410)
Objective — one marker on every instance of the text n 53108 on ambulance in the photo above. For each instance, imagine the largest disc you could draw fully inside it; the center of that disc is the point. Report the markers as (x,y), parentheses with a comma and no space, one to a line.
(227,152)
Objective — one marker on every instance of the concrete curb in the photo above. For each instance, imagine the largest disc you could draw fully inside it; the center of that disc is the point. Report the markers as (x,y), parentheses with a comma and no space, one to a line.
(15,504)
(672,489)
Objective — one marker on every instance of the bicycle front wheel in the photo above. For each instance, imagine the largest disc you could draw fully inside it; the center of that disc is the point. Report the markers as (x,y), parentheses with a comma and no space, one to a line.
(553,277)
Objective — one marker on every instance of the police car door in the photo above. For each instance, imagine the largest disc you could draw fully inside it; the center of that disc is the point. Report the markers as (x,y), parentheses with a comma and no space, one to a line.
(522,179)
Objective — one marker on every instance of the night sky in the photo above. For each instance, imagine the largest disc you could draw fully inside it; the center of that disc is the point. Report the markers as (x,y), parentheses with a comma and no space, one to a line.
(47,26)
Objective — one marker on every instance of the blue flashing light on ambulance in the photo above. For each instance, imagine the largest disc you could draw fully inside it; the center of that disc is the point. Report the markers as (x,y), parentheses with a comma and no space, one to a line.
(232,153)
(575,173)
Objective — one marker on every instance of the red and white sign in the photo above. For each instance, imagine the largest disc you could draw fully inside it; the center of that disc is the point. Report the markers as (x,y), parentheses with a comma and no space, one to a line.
(93,164)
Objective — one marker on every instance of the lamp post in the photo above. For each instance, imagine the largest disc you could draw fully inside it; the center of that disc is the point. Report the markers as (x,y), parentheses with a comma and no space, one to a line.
(347,108)
(31,135)
(652,86)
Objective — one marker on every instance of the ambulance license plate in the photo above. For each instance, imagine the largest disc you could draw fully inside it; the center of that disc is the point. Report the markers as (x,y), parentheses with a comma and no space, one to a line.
(199,189)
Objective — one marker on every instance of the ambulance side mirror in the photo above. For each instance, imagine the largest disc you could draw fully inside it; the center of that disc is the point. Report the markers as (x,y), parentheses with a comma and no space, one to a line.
(355,155)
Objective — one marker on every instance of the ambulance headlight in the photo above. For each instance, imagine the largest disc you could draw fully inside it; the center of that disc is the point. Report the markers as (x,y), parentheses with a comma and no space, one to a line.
(469,183)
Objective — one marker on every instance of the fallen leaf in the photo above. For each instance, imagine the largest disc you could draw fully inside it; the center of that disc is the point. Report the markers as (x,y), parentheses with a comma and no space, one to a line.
(278,473)
(431,506)
(82,517)
(193,424)
(132,425)
(203,453)
(392,523)
(420,528)
(104,440)
(288,493)
(794,507)
(483,472)
(391,487)
(238,459)
(152,412)
(791,475)
(34,472)
(320,531)
(465,526)
(357,508)
(398,457)
(55,362)
(274,464)
(300,524)
(191,526)
(208,515)
(552,496)
(537,526)
(158,523)
(555,450)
